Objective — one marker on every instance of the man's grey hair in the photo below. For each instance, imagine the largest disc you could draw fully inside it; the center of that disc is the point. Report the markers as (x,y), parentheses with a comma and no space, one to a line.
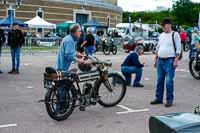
(74,28)
(139,49)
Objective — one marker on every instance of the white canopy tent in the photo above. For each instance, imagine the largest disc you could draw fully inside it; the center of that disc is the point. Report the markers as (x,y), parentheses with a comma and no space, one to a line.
(38,22)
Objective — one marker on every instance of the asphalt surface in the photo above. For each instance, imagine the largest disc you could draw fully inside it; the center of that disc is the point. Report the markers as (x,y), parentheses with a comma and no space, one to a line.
(19,95)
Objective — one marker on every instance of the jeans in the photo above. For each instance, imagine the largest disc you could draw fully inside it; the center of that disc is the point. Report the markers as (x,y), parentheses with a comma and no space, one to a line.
(127,71)
(192,51)
(15,54)
(0,55)
(165,71)
(0,51)
(89,50)
(61,99)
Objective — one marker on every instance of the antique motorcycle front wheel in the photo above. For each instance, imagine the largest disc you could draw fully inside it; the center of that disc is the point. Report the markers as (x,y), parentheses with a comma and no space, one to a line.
(112,90)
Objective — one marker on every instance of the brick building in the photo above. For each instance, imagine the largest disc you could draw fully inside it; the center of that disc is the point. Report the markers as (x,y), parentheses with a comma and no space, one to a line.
(56,11)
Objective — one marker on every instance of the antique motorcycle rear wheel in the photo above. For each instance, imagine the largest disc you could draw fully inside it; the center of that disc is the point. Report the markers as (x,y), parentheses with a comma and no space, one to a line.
(60,102)
(111,91)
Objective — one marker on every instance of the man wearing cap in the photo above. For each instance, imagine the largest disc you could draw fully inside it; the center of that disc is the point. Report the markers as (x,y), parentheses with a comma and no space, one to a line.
(166,61)
(2,40)
(132,65)
(15,41)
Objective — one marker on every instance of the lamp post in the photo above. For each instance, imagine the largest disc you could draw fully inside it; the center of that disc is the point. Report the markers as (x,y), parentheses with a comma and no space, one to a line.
(141,30)
(11,5)
(156,26)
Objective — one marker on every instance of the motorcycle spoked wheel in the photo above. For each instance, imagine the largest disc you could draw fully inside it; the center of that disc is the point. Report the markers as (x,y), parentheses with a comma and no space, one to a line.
(192,69)
(106,49)
(111,91)
(60,102)
(114,50)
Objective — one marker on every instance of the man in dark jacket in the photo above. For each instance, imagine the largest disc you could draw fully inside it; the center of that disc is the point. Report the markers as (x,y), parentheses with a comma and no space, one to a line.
(132,65)
(15,41)
(2,41)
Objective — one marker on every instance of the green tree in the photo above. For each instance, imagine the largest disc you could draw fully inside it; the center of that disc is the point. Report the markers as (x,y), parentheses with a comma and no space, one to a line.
(184,13)
(183,10)
(147,17)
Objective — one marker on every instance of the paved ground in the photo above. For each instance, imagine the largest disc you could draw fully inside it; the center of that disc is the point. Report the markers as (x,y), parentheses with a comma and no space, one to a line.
(19,95)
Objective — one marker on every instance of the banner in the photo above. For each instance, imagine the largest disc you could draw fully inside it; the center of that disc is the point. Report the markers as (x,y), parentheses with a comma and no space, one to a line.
(199,22)
(130,28)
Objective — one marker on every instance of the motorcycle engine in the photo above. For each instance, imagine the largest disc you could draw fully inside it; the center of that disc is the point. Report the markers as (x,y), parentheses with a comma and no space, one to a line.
(85,67)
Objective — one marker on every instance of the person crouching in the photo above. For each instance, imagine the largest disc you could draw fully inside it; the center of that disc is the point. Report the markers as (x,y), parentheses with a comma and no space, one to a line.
(132,65)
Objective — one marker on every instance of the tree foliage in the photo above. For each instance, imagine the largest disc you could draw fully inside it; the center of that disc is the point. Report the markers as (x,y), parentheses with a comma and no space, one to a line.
(183,13)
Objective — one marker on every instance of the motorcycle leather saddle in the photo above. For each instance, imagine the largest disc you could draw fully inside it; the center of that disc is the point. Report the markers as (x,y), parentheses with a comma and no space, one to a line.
(52,74)
(50,70)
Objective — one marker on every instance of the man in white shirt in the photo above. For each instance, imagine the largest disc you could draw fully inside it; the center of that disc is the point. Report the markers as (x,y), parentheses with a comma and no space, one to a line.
(166,61)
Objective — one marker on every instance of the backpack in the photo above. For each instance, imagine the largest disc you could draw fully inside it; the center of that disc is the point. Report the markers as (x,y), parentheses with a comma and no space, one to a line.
(181,54)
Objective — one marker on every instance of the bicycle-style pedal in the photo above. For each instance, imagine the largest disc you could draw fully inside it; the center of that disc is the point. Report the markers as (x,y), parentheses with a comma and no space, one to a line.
(95,100)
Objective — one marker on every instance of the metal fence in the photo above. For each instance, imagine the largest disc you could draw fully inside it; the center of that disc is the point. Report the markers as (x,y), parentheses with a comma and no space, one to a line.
(33,44)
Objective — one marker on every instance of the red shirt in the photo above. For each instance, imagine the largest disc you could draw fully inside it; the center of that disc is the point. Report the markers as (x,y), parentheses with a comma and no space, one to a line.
(183,36)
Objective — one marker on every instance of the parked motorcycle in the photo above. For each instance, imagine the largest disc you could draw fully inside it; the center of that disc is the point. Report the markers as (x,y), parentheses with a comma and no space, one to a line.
(194,63)
(64,91)
(108,45)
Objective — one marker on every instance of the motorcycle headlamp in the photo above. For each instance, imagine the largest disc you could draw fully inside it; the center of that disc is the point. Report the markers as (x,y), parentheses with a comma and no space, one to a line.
(198,56)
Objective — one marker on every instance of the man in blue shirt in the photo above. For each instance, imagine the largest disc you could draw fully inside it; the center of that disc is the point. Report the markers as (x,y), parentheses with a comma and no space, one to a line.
(65,56)
(132,65)
(66,53)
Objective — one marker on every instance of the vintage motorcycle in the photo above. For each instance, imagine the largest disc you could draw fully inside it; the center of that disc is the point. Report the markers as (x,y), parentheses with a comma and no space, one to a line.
(64,91)
(194,63)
